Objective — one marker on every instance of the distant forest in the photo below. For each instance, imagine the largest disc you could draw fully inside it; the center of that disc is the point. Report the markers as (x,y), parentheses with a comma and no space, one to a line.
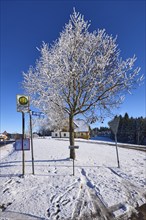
(131,130)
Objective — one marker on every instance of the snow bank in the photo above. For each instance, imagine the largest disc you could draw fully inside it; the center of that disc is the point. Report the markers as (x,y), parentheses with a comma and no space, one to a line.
(6,150)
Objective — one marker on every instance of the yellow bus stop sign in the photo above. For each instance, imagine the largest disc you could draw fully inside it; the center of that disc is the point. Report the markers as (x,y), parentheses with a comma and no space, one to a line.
(22,103)
(23,100)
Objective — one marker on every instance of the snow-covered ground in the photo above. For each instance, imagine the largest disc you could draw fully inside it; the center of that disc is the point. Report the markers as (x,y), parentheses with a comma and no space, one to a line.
(99,190)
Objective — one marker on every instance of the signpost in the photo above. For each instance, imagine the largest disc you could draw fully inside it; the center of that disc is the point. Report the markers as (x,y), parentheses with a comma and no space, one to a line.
(22,103)
(114,124)
(23,106)
(23,154)
(39,114)
(31,135)
(73,147)
(26,144)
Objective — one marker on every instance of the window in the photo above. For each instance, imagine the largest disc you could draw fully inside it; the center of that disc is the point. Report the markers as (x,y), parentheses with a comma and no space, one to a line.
(64,134)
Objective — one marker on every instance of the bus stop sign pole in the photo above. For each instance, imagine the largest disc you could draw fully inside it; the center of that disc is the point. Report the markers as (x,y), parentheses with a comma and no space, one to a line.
(23,155)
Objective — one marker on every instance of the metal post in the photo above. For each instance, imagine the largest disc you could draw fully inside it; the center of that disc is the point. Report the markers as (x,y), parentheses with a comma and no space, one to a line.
(31,135)
(117,151)
(73,167)
(23,155)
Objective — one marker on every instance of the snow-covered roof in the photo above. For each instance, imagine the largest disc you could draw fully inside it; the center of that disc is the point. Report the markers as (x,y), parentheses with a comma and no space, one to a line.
(82,126)
(79,126)
(3,135)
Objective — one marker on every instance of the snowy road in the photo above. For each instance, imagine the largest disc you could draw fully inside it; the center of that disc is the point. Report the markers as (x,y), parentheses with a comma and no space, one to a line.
(99,190)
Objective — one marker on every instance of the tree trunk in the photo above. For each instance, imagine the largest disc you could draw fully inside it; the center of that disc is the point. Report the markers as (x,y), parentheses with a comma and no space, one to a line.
(71,136)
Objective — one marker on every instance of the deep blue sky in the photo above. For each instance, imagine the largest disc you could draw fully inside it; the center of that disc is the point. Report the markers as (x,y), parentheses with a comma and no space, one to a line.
(25,24)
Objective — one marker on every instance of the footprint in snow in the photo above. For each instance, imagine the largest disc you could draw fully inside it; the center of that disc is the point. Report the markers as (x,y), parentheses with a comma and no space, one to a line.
(4,206)
(5,190)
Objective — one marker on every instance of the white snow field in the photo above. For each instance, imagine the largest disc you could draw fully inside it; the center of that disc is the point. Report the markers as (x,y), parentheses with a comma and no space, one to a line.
(98,190)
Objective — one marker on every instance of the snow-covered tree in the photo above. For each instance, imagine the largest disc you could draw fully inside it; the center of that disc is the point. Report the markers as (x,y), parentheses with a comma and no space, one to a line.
(48,123)
(81,73)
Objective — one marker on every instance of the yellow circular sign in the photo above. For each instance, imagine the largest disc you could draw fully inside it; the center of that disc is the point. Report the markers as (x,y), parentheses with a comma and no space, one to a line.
(23,100)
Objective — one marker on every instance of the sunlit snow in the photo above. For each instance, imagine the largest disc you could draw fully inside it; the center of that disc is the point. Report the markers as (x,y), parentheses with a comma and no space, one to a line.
(98,189)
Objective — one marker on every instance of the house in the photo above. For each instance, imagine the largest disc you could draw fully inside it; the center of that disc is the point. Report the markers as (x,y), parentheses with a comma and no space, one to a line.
(7,136)
(60,134)
(81,130)
(3,137)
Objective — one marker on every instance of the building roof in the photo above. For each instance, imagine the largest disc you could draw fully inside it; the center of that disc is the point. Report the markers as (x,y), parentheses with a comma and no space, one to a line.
(82,126)
(79,126)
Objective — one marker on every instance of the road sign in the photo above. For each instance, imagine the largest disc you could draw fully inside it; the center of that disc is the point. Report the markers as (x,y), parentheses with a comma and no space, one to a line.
(114,124)
(22,103)
(26,144)
(73,147)
(39,114)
